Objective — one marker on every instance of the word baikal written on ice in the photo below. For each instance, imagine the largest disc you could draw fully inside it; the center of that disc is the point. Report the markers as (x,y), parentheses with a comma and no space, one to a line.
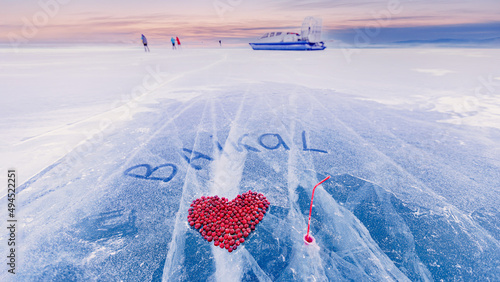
(197,160)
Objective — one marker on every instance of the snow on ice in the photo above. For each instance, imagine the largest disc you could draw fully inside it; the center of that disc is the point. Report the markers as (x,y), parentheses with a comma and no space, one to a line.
(113,145)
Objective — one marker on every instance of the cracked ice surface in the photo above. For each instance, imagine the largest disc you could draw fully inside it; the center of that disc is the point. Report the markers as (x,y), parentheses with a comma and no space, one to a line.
(410,198)
(411,224)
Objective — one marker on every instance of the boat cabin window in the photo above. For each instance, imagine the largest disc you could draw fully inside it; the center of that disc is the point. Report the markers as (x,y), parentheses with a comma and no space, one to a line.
(278,33)
(272,34)
(265,35)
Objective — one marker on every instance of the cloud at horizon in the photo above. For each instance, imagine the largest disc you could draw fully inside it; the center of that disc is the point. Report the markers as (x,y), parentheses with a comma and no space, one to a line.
(238,21)
(387,35)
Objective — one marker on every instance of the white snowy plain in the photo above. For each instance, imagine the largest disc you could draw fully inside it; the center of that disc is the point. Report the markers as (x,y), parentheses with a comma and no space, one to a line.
(55,98)
(89,108)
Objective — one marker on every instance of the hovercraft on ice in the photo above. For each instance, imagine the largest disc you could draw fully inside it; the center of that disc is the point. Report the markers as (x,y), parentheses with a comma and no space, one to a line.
(309,38)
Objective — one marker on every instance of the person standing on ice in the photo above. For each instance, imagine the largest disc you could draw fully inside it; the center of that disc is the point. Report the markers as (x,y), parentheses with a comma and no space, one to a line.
(145,42)
(178,41)
(173,43)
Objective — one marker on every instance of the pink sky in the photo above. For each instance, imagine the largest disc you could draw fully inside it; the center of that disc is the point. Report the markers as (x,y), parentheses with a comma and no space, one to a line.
(114,21)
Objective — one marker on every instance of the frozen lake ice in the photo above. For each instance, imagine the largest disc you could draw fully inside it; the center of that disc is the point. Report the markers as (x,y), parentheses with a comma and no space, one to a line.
(113,145)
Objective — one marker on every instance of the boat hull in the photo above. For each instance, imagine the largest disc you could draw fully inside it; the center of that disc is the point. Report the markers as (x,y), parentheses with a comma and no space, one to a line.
(289,46)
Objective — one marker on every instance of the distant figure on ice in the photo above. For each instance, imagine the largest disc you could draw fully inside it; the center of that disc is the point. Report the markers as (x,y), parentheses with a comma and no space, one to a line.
(220,43)
(178,41)
(173,42)
(145,42)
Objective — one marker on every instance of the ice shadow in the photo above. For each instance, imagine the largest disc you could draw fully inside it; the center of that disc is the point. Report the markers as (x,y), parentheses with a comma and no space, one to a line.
(417,240)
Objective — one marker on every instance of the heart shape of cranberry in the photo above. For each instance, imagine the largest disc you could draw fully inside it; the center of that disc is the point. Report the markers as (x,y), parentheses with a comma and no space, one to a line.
(227,223)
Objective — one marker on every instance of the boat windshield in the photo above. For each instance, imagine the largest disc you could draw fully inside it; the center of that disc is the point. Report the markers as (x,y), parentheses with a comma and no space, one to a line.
(265,35)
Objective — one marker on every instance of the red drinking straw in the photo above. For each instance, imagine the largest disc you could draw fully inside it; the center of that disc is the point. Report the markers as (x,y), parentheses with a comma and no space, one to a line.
(308,238)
